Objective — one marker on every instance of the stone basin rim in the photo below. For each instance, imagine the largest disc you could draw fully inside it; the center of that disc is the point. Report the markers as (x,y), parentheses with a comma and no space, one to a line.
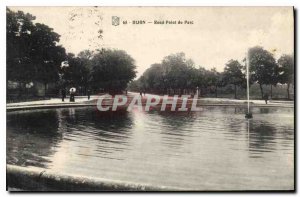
(51,106)
(56,181)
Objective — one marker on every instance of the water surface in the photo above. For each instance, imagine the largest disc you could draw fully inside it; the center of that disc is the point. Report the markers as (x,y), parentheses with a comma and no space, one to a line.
(214,149)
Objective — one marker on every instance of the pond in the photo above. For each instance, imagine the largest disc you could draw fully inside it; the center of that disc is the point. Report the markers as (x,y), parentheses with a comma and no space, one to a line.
(213,149)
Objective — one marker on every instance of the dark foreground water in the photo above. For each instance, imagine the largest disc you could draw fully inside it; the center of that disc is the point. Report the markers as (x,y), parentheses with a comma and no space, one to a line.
(215,149)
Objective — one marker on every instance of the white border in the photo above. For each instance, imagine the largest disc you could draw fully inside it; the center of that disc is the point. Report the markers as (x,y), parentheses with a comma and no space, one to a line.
(151,3)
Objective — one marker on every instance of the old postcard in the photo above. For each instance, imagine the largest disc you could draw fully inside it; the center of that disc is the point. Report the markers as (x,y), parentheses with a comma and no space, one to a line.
(150,98)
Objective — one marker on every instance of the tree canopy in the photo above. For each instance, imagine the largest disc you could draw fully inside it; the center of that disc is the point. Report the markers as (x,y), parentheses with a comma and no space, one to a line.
(263,67)
(286,71)
(177,75)
(33,52)
(233,74)
(112,70)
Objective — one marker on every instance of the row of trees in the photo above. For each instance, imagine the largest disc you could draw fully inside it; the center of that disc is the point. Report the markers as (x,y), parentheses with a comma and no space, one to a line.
(33,55)
(265,70)
(176,74)
(102,70)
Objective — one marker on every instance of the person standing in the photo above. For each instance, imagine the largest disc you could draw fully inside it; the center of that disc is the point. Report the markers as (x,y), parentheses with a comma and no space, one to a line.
(89,94)
(266,97)
(63,94)
(72,94)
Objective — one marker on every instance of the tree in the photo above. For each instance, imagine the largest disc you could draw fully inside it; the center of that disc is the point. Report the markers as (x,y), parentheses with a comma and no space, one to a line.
(45,54)
(215,79)
(86,55)
(112,70)
(286,71)
(18,41)
(174,75)
(233,74)
(77,73)
(176,72)
(134,86)
(263,67)
(32,50)
(143,83)
(202,79)
(153,78)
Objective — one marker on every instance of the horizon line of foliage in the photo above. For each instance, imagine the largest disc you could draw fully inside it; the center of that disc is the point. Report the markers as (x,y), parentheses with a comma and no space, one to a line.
(178,75)
(33,54)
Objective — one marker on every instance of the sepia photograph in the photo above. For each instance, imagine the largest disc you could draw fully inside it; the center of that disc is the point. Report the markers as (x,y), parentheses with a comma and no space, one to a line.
(107,98)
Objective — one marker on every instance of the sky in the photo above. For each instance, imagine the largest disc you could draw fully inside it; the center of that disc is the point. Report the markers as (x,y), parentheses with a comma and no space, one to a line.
(217,34)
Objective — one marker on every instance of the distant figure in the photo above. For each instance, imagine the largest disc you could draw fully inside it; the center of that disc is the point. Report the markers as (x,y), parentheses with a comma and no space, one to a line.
(72,94)
(126,91)
(141,93)
(266,97)
(63,94)
(89,94)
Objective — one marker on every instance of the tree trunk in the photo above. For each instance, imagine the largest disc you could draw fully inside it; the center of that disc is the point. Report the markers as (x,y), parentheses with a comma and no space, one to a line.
(271,92)
(180,92)
(20,89)
(288,90)
(235,92)
(261,91)
(45,89)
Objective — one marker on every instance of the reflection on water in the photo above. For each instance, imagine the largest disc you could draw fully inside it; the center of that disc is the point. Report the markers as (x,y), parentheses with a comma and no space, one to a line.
(31,137)
(261,137)
(264,110)
(215,148)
